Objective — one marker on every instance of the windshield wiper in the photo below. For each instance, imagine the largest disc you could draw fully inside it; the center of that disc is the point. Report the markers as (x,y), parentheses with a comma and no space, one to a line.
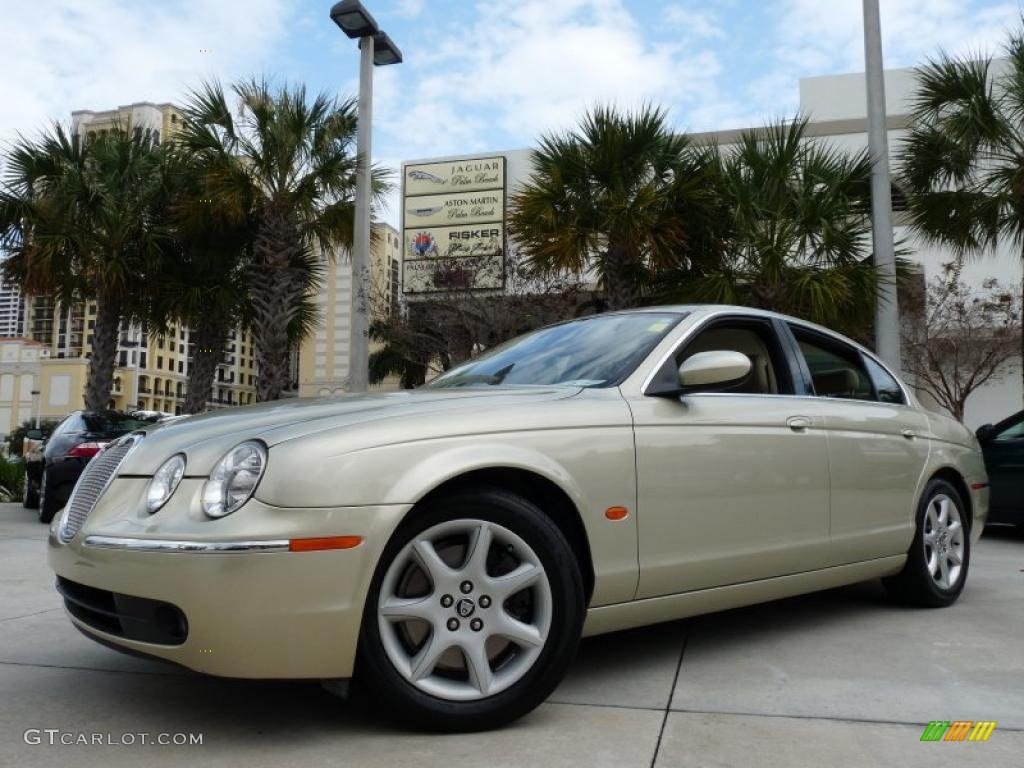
(493,379)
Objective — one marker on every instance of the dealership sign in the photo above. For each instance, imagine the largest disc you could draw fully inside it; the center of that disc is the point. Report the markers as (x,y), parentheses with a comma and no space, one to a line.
(453,219)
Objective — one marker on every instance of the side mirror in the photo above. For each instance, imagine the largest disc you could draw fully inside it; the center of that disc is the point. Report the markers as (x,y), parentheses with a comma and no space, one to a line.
(714,370)
(704,372)
(985,433)
(34,434)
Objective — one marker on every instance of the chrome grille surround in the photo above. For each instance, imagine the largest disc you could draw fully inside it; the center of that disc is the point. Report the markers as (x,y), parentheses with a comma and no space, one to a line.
(97,475)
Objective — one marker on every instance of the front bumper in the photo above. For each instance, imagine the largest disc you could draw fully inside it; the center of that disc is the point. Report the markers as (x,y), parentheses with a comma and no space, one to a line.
(260,612)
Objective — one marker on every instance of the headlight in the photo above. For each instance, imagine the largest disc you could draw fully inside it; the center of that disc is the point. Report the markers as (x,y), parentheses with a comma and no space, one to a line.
(234,478)
(164,482)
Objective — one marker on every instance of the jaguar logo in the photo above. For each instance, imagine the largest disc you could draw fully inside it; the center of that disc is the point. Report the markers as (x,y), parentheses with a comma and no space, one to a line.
(465,607)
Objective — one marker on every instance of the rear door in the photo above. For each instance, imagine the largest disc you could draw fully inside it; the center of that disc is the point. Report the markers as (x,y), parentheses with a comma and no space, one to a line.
(877,446)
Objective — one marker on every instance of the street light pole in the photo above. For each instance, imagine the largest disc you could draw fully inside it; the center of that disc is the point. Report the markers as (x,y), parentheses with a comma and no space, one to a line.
(887,334)
(375,49)
(359,339)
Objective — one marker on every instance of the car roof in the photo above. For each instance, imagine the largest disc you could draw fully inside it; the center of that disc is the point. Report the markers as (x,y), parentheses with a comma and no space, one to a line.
(739,310)
(752,312)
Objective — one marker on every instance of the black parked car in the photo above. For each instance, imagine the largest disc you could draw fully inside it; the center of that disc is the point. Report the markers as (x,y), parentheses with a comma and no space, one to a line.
(49,478)
(1003,447)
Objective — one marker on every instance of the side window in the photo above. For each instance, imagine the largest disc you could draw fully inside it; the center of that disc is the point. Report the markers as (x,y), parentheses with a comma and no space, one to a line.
(836,370)
(1012,432)
(885,385)
(768,374)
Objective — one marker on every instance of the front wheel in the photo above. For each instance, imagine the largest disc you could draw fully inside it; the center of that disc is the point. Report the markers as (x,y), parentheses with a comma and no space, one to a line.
(936,567)
(474,613)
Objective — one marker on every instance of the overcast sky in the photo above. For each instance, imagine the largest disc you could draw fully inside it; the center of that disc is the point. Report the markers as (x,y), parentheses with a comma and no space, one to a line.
(478,76)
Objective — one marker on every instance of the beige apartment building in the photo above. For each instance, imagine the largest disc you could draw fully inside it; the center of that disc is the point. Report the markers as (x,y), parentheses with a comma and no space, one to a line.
(323,356)
(50,354)
(51,357)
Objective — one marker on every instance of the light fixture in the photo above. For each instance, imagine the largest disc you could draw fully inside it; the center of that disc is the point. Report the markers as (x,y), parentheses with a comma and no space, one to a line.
(353,19)
(385,51)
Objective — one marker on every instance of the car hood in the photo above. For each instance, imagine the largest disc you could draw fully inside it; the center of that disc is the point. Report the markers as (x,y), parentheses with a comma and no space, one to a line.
(205,438)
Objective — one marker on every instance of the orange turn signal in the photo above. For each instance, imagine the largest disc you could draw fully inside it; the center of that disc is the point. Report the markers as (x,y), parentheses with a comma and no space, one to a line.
(616,513)
(327,542)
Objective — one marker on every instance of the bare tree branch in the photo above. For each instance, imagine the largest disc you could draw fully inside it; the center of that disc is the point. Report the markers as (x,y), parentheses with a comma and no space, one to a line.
(963,338)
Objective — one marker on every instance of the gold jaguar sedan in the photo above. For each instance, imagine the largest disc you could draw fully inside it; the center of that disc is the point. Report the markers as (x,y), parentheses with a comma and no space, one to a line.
(448,547)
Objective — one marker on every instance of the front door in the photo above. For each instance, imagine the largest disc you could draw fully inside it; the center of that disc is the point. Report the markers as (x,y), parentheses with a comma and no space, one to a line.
(732,487)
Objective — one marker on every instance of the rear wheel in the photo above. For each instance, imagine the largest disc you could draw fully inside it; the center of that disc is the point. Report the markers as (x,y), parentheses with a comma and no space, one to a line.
(47,503)
(936,568)
(474,614)
(31,498)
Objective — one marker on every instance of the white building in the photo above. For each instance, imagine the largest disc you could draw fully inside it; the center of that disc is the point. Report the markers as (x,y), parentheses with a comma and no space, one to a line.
(836,107)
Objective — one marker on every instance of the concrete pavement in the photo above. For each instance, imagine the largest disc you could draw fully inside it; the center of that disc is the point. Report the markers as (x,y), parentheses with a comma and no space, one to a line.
(838,678)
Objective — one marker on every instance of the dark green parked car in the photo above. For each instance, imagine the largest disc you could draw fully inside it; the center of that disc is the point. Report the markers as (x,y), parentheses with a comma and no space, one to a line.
(1003,447)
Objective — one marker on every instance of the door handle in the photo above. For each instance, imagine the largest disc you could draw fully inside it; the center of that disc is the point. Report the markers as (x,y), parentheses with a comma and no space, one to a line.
(909,434)
(798,423)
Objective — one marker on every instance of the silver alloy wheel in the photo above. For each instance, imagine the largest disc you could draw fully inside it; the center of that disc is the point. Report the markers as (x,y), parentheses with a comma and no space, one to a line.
(464,610)
(943,541)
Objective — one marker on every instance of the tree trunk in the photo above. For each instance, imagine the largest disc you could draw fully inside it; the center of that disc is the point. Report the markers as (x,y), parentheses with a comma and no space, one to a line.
(277,288)
(104,354)
(620,285)
(210,335)
(1022,333)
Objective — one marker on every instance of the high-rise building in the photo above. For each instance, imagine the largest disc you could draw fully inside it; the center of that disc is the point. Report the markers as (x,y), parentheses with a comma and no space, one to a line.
(12,311)
(151,370)
(323,355)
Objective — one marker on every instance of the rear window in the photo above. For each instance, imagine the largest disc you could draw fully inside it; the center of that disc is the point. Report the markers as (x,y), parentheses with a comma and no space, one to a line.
(113,424)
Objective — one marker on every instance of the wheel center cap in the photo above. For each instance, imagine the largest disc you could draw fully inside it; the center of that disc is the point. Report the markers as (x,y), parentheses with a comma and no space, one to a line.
(465,607)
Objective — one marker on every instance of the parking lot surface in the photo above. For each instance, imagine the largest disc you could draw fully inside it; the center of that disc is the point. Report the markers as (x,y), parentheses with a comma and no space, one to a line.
(841,678)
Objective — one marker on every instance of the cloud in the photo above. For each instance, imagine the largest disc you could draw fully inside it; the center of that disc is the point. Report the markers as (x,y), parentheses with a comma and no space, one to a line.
(695,20)
(98,54)
(518,70)
(410,9)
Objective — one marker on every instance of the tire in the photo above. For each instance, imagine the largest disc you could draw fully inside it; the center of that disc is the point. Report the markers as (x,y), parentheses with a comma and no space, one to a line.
(31,498)
(508,679)
(47,506)
(931,577)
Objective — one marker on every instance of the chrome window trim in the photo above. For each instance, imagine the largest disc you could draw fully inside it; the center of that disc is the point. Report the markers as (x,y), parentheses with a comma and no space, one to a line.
(683,340)
(193,547)
(864,351)
(909,402)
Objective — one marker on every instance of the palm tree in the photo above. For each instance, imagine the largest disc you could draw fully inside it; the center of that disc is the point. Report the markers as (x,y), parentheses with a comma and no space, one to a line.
(287,164)
(80,221)
(963,158)
(201,275)
(608,198)
(796,237)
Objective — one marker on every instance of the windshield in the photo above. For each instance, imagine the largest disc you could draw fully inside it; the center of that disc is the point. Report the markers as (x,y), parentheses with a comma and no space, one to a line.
(598,351)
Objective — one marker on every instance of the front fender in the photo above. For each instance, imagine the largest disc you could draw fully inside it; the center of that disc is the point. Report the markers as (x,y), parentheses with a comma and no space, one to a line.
(593,465)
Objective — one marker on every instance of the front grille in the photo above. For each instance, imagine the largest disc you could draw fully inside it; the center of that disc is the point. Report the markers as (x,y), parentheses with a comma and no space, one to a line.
(133,618)
(92,483)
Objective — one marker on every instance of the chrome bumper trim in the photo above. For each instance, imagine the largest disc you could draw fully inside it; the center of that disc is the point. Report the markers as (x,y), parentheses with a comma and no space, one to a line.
(199,547)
